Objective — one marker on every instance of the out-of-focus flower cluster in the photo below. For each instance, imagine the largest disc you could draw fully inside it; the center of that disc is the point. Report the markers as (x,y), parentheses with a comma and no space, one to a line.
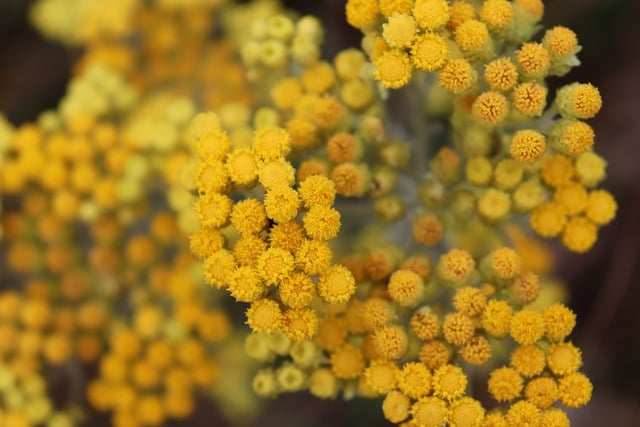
(374,215)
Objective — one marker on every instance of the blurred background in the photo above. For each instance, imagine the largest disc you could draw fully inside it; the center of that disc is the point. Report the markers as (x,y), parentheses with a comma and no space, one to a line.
(604,283)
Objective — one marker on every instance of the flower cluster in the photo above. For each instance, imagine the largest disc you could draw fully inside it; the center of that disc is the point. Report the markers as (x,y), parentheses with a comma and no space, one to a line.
(374,251)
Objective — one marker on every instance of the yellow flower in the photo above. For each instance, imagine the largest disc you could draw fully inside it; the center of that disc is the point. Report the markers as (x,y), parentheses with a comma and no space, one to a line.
(557,170)
(430,412)
(457,76)
(390,342)
(527,145)
(274,265)
(347,362)
(497,14)
(572,137)
(505,263)
(322,222)
(428,52)
(559,321)
(361,13)
(457,328)
(399,30)
(456,266)
(528,360)
(380,375)
(477,351)
(336,285)
(542,392)
(323,383)
(533,60)
(564,358)
(496,318)
(601,207)
(248,216)
(523,413)
(572,198)
(393,68)
(527,326)
(264,315)
(406,288)
(396,406)
(245,284)
(317,190)
(281,203)
(530,98)
(296,290)
(414,380)
(242,167)
(276,173)
(560,41)
(579,100)
(580,234)
(472,36)
(431,14)
(575,390)
(466,412)
(449,382)
(313,256)
(300,324)
(435,354)
(548,219)
(490,108)
(501,75)
(505,384)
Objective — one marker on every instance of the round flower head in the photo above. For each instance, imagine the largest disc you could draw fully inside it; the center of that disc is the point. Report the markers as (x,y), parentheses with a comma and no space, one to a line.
(526,287)
(347,362)
(286,92)
(490,108)
(472,36)
(380,375)
(213,145)
(494,204)
(477,351)
(496,318)
(559,321)
(548,219)
(327,112)
(560,41)
(533,60)
(590,168)
(313,256)
(497,14)
(318,78)
(501,74)
(601,207)
(457,328)
(529,98)
(572,198)
(425,325)
(527,326)
(361,13)
(248,216)
(351,179)
(395,406)
(428,229)
(579,100)
(336,285)
(527,145)
(466,412)
(399,30)
(296,290)
(528,360)
(555,417)
(213,209)
(461,11)
(264,315)
(393,68)
(406,288)
(469,301)
(456,266)
(270,143)
(274,265)
(575,390)
(242,167)
(435,354)
(428,52)
(449,382)
(245,284)
(505,384)
(457,76)
(564,358)
(274,173)
(322,223)
(299,324)
(390,342)
(542,392)
(430,411)
(343,147)
(431,14)
(572,137)
(505,263)
(523,413)
(557,170)
(479,171)
(580,234)
(414,380)
(281,203)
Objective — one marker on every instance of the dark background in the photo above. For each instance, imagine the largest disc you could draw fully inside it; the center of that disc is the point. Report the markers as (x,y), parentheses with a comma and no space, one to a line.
(605,282)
